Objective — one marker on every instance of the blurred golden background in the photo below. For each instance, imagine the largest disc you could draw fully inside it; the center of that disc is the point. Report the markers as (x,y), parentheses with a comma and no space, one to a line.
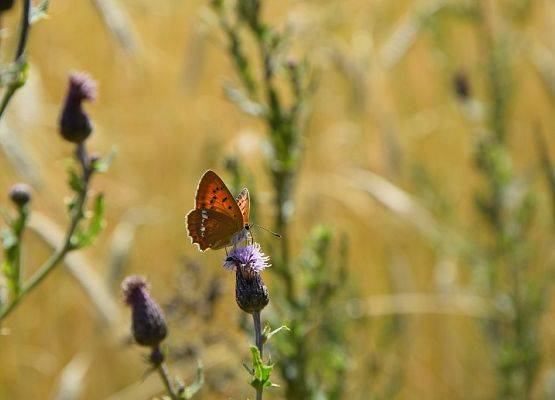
(388,161)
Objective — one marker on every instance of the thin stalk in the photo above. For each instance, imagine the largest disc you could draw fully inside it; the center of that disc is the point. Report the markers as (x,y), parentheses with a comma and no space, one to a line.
(22,222)
(165,377)
(66,247)
(259,345)
(19,54)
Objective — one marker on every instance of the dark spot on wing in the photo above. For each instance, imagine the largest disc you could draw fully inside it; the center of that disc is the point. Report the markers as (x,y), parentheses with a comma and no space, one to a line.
(229,207)
(224,199)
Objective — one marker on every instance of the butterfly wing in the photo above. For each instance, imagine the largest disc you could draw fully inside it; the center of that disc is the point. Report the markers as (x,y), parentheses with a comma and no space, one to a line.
(210,229)
(244,204)
(213,194)
(216,217)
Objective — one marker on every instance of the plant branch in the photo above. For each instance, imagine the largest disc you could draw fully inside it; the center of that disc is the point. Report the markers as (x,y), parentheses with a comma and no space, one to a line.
(259,345)
(19,55)
(67,246)
(165,377)
(22,221)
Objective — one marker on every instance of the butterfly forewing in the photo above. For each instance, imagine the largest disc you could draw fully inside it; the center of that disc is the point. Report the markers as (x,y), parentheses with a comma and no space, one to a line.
(216,217)
(213,194)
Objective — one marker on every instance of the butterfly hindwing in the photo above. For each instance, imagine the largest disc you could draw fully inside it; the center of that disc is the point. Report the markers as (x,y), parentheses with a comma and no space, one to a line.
(210,229)
(243,202)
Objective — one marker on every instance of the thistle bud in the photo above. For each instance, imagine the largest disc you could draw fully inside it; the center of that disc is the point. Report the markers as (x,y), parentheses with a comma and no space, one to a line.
(75,124)
(5,5)
(248,262)
(148,322)
(292,64)
(461,85)
(20,194)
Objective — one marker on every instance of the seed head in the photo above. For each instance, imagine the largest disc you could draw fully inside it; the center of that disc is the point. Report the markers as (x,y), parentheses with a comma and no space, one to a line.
(75,124)
(20,194)
(148,325)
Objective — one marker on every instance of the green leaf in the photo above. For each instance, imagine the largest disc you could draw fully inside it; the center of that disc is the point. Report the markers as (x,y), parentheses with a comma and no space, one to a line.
(261,377)
(40,11)
(74,181)
(8,239)
(102,164)
(11,242)
(250,107)
(248,369)
(85,237)
(194,387)
(267,333)
(21,76)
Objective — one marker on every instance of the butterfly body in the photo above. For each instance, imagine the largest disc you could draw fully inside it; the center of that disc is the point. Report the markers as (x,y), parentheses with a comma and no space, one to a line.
(218,219)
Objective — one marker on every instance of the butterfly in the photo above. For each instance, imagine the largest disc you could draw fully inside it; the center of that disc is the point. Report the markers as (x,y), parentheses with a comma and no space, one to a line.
(218,219)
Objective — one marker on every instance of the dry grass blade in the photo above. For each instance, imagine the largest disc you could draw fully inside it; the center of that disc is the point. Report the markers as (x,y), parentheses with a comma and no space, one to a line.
(406,33)
(543,60)
(214,356)
(119,24)
(122,241)
(72,377)
(547,166)
(17,156)
(420,303)
(395,199)
(79,268)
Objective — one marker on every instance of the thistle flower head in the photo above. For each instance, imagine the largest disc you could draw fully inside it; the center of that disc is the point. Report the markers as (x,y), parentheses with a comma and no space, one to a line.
(20,194)
(81,86)
(148,322)
(251,293)
(6,5)
(250,256)
(75,125)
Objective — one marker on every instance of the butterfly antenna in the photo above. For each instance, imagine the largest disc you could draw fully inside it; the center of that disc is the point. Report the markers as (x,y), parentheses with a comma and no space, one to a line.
(267,230)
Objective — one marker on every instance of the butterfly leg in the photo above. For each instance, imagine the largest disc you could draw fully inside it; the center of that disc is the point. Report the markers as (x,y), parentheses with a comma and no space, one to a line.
(226,254)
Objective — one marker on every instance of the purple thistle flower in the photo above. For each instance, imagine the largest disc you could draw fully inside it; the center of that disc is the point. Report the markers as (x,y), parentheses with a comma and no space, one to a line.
(149,325)
(250,292)
(250,256)
(75,125)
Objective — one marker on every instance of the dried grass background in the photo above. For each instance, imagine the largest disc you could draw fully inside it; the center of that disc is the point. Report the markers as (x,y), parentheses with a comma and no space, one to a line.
(385,110)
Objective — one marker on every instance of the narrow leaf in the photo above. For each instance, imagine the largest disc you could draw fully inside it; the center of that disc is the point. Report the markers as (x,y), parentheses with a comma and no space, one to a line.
(102,164)
(74,181)
(261,371)
(194,387)
(87,236)
(267,334)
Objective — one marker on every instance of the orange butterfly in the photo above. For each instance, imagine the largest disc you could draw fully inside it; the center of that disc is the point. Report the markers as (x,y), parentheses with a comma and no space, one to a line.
(218,219)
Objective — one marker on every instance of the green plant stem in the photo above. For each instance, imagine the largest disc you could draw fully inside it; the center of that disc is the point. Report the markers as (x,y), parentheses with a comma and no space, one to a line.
(66,247)
(259,345)
(165,377)
(19,55)
(23,213)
